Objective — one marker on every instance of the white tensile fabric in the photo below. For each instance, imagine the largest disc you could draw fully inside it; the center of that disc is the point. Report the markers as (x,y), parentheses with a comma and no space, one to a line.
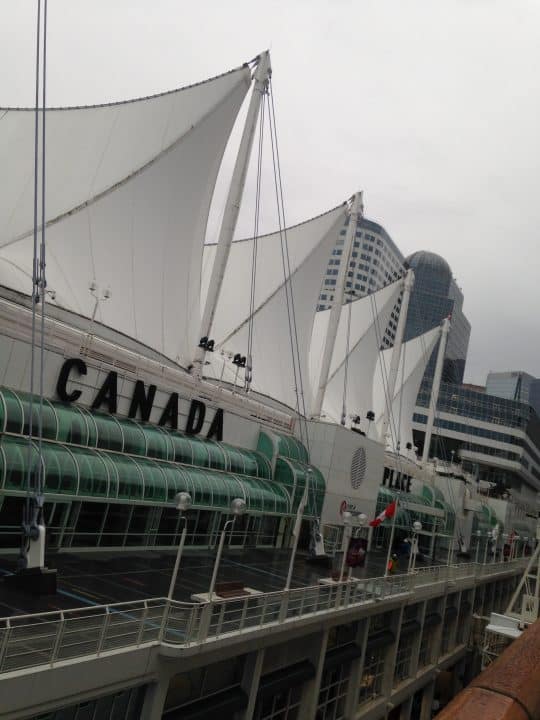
(414,358)
(369,318)
(128,190)
(310,245)
(234,300)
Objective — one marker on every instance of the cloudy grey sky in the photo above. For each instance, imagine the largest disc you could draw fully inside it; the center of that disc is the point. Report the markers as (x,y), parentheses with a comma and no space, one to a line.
(430,106)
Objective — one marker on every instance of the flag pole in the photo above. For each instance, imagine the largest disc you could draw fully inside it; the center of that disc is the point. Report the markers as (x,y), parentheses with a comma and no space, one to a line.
(388,555)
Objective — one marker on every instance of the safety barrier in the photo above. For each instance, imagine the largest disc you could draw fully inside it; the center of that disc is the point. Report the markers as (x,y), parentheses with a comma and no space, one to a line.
(49,638)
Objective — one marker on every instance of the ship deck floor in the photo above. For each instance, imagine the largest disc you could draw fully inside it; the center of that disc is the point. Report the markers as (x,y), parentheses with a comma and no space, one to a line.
(98,578)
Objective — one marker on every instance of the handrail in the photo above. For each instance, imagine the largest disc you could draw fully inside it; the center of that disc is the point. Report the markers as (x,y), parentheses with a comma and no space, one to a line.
(47,638)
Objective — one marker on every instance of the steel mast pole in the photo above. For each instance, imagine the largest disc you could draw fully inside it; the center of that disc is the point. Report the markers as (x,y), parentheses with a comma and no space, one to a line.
(357,210)
(435,389)
(408,283)
(232,206)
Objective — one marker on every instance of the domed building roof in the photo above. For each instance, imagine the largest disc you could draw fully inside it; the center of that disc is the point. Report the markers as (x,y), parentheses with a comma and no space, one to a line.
(428,261)
(432,272)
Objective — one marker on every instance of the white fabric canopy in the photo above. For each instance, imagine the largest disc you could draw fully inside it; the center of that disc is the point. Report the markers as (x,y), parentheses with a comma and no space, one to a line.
(128,190)
(310,246)
(234,300)
(369,318)
(414,358)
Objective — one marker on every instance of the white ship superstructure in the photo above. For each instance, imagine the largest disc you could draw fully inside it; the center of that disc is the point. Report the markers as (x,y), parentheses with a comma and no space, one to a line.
(167,366)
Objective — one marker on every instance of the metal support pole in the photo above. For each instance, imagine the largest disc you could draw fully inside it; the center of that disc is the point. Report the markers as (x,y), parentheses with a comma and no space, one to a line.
(232,206)
(408,283)
(218,557)
(357,210)
(389,553)
(178,557)
(347,530)
(435,389)
(296,534)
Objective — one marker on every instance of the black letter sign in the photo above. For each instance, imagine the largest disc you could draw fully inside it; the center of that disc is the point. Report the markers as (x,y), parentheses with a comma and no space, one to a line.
(61,390)
(197,411)
(108,393)
(142,401)
(216,427)
(170,413)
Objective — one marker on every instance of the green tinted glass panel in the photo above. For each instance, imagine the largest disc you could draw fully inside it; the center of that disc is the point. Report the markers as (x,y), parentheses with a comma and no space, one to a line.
(236,462)
(293,476)
(16,458)
(93,475)
(177,480)
(158,444)
(203,494)
(134,439)
(182,449)
(14,413)
(130,482)
(109,432)
(72,425)
(216,455)
(92,427)
(155,487)
(48,417)
(61,475)
(200,452)
(292,448)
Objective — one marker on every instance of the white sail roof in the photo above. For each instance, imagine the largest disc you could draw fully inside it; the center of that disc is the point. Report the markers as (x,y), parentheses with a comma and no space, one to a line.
(412,365)
(369,317)
(128,189)
(310,245)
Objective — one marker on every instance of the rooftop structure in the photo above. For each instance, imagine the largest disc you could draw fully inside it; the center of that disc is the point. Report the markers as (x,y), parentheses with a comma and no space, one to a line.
(375,261)
(436,296)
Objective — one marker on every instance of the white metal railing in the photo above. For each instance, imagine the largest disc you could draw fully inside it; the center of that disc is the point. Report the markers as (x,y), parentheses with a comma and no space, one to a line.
(28,641)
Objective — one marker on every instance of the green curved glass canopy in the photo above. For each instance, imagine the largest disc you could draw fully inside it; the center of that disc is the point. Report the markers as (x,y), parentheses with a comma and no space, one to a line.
(89,454)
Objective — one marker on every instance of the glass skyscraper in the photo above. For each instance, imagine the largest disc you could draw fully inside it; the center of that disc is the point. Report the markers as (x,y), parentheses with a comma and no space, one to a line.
(435,296)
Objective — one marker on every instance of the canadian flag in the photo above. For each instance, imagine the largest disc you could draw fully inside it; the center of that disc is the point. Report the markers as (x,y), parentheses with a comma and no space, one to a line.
(388,512)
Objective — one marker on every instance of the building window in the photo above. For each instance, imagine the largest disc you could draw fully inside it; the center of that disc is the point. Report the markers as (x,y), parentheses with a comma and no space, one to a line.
(372,677)
(283,706)
(403,658)
(333,692)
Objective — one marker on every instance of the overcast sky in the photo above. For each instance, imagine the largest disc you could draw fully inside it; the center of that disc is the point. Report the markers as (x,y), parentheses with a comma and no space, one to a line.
(430,106)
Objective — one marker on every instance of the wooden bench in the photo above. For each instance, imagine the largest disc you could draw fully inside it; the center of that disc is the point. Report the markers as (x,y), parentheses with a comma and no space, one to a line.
(231,589)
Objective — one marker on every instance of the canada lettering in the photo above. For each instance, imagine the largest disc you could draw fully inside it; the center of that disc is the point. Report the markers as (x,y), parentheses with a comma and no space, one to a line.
(142,401)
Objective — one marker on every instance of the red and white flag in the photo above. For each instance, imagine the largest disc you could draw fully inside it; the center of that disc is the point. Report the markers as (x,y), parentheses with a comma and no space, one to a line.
(388,512)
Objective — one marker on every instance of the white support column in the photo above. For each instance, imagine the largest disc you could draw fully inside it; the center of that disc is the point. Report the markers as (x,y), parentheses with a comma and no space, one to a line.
(435,389)
(357,210)
(232,206)
(408,282)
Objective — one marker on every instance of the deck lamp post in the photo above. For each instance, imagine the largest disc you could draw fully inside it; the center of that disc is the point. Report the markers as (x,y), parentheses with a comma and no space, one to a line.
(347,529)
(183,502)
(298,526)
(416,528)
(478,536)
(238,507)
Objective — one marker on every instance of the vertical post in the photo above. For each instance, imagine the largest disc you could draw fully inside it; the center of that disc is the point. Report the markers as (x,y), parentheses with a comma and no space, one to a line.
(408,283)
(232,206)
(435,389)
(178,557)
(389,553)
(218,558)
(296,533)
(357,210)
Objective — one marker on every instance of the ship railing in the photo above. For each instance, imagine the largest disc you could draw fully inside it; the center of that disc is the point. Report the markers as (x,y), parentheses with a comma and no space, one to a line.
(50,638)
